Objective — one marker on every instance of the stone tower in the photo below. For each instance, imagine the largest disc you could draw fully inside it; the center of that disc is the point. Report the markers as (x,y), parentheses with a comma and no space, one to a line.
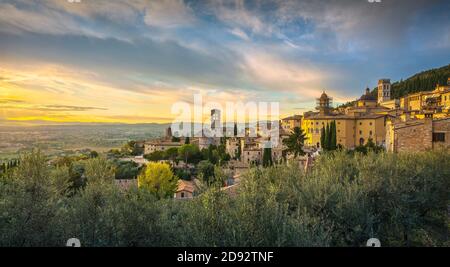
(384,90)
(169,133)
(215,119)
(324,104)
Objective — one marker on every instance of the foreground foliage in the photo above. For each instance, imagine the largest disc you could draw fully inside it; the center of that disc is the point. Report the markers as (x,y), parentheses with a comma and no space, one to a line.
(346,199)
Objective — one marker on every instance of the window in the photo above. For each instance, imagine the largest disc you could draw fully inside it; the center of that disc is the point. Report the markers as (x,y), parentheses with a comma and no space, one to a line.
(360,123)
(438,137)
(361,141)
(370,124)
(360,132)
(182,194)
(370,133)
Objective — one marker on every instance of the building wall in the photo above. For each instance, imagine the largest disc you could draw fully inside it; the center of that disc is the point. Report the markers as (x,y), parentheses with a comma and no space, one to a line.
(366,103)
(348,131)
(391,104)
(183,195)
(413,138)
(289,125)
(232,146)
(445,99)
(345,133)
(442,126)
(152,147)
(384,90)
(277,154)
(250,156)
(370,128)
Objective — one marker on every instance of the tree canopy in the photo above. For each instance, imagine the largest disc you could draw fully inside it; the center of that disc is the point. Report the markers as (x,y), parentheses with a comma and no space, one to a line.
(158,179)
(294,143)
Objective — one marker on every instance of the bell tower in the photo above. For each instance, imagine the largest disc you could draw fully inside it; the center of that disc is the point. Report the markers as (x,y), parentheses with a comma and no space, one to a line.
(384,90)
(324,104)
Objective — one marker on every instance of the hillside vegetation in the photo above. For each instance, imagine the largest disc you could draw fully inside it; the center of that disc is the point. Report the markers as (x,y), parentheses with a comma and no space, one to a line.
(422,81)
(400,199)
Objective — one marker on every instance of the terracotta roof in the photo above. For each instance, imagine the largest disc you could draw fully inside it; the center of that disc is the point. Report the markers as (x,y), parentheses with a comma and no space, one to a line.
(317,116)
(415,122)
(187,186)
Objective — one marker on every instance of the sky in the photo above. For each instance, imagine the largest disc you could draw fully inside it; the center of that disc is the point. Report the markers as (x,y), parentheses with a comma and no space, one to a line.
(129,61)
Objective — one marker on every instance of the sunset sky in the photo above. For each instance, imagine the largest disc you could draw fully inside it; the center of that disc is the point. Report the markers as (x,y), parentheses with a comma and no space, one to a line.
(129,61)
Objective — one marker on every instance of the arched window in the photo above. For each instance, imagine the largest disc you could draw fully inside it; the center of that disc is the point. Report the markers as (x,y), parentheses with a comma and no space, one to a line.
(361,141)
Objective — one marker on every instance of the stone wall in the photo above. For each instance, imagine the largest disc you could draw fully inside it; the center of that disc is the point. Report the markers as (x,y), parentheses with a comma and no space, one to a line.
(419,136)
(416,137)
(442,126)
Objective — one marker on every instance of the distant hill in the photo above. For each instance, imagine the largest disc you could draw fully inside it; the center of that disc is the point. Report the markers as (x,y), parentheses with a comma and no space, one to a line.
(422,81)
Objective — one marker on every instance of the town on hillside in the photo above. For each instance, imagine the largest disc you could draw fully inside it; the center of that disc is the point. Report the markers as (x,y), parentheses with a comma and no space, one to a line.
(412,123)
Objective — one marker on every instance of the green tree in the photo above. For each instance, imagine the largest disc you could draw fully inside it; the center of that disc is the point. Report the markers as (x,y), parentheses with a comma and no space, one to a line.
(189,153)
(99,170)
(267,157)
(128,148)
(171,154)
(206,171)
(30,199)
(323,138)
(126,170)
(211,154)
(239,152)
(294,143)
(158,179)
(327,137)
(156,156)
(93,154)
(333,135)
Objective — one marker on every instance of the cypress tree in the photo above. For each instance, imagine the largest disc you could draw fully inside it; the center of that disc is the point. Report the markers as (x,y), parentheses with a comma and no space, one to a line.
(327,137)
(239,152)
(322,137)
(332,144)
(267,157)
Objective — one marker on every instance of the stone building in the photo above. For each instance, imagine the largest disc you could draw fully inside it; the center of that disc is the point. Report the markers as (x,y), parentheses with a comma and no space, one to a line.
(232,146)
(438,99)
(159,145)
(185,190)
(288,124)
(354,126)
(252,155)
(384,90)
(418,134)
